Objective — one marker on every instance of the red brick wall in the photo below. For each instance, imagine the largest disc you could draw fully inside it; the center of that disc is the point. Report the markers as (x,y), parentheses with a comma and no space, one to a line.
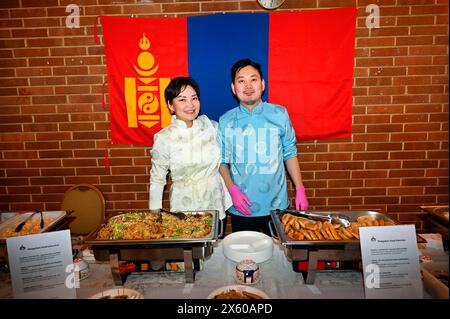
(53,128)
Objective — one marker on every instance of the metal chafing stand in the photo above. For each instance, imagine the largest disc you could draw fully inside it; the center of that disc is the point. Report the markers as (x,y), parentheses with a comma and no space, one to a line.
(321,250)
(190,251)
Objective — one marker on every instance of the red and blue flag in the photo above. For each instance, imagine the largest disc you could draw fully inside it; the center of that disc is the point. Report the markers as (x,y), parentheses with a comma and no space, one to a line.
(306,59)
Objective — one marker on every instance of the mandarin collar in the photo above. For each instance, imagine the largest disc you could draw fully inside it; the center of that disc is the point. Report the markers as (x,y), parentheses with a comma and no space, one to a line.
(180,123)
(244,112)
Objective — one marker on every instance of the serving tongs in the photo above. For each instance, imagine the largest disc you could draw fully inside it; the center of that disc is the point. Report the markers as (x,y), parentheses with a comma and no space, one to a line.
(179,215)
(343,220)
(20,226)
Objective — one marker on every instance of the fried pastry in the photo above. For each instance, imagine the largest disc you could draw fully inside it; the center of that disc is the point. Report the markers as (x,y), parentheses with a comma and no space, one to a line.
(301,228)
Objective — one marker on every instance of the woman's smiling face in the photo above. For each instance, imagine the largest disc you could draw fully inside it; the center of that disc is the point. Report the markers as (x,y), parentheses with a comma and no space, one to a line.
(186,105)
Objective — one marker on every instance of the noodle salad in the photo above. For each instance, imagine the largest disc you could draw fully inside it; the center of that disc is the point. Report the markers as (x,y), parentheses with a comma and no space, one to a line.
(147,225)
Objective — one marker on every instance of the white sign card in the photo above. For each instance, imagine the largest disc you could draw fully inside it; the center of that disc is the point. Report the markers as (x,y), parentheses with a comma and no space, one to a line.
(41,266)
(390,262)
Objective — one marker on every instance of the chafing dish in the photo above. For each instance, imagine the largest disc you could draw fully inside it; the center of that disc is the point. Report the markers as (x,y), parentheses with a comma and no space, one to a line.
(437,217)
(312,252)
(440,212)
(60,220)
(188,250)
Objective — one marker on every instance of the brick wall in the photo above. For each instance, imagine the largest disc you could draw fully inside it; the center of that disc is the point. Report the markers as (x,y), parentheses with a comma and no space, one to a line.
(53,129)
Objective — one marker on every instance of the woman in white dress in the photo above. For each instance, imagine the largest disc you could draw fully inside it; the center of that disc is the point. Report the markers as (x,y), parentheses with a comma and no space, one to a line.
(189,148)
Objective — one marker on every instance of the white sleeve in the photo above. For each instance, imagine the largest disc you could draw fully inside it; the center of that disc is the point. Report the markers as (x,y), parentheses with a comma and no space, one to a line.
(158,173)
(215,125)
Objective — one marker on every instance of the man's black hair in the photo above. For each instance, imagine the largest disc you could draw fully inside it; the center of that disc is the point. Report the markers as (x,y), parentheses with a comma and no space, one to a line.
(242,64)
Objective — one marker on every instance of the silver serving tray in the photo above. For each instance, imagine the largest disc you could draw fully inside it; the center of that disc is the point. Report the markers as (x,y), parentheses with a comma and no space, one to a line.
(17,219)
(211,237)
(353,215)
(439,211)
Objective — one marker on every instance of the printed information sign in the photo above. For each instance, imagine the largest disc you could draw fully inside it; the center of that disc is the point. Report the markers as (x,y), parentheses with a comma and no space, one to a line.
(41,266)
(391,262)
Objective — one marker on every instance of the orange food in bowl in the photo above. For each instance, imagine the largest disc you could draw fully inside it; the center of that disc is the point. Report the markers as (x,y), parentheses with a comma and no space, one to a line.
(234,294)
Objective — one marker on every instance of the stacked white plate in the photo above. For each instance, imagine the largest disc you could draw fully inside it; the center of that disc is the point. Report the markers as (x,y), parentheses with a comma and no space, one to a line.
(248,245)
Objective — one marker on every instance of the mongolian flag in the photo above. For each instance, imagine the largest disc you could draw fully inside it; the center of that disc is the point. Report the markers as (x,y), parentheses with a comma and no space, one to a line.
(142,55)
(306,59)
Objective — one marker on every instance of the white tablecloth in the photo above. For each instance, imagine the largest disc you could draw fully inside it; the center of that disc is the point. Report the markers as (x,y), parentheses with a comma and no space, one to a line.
(277,279)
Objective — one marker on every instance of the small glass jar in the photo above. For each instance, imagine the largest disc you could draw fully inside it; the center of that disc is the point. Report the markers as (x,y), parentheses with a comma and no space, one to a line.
(247,272)
(82,267)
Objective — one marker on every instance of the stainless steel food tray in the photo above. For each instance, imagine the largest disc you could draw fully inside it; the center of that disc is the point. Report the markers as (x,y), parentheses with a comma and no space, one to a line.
(211,237)
(313,251)
(439,212)
(16,220)
(353,215)
(62,221)
(188,250)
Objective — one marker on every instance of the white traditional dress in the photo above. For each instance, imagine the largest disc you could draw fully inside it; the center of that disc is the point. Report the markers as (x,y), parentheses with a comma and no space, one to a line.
(193,157)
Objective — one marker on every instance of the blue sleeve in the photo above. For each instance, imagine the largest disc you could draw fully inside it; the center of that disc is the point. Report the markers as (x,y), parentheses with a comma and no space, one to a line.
(288,139)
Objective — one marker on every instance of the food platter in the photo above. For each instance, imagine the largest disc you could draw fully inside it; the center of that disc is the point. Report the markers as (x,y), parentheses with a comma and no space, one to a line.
(237,292)
(310,253)
(92,238)
(277,217)
(118,293)
(52,219)
(173,249)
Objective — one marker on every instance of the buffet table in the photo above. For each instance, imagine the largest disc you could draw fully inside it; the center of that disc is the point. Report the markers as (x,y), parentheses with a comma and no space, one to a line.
(277,280)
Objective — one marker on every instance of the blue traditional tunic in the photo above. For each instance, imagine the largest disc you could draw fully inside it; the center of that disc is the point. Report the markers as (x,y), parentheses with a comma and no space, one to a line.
(255,145)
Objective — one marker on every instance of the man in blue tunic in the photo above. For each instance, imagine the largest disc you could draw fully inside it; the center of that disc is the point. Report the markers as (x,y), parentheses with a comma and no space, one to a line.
(257,140)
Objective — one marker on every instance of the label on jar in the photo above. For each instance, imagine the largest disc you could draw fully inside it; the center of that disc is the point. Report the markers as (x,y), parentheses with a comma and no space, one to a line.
(247,272)
(82,267)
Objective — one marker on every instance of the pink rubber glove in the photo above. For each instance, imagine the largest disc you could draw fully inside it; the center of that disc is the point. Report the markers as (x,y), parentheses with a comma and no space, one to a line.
(301,202)
(239,200)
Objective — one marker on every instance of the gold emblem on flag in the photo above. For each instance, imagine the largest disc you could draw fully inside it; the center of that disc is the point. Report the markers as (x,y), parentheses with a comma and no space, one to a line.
(144,94)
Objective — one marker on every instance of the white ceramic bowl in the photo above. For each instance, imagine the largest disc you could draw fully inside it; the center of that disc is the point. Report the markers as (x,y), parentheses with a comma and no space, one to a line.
(118,293)
(248,245)
(240,289)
